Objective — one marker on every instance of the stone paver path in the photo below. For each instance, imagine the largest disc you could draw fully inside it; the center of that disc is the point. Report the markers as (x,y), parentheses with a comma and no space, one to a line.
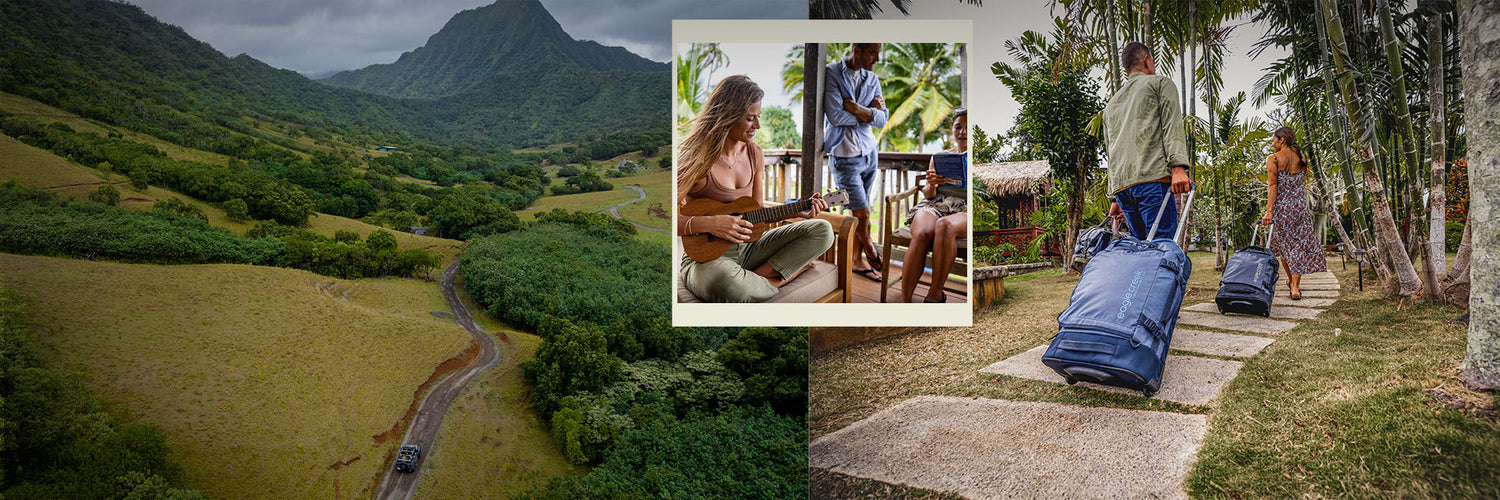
(990,448)
(1277,311)
(1251,324)
(1218,344)
(1185,379)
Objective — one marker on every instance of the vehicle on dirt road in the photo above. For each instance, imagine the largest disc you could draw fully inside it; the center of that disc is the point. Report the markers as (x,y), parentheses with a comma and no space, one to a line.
(406,458)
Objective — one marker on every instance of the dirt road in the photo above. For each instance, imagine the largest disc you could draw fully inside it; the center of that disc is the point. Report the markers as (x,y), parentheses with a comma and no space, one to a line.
(615,210)
(424,428)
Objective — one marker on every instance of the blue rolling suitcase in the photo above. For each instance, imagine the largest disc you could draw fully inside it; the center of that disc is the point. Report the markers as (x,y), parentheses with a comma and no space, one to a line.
(1119,321)
(1249,280)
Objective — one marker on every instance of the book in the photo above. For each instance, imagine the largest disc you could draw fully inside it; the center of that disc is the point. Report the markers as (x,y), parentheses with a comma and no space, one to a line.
(954,166)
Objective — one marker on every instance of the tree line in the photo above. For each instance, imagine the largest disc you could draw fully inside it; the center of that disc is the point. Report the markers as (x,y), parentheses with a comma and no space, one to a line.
(661,411)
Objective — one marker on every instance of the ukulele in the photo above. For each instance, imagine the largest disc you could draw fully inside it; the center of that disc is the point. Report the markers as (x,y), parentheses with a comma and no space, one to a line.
(705,247)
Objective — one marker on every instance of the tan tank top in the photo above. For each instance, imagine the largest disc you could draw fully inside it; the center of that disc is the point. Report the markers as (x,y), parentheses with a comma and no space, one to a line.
(715,190)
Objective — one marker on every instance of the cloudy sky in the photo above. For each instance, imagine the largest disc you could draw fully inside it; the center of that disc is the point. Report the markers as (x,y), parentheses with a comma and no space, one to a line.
(990,103)
(317,37)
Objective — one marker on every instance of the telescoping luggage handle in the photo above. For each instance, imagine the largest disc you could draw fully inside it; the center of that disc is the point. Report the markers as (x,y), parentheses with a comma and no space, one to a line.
(1186,207)
(1268,234)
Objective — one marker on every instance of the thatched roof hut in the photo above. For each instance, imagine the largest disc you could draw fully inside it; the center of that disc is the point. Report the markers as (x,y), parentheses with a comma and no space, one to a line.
(1020,178)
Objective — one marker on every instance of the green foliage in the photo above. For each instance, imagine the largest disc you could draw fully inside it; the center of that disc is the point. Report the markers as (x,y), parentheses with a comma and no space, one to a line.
(596,224)
(176,206)
(584,182)
(564,271)
(569,171)
(777,129)
(773,363)
(465,212)
(236,210)
(34,221)
(344,236)
(107,194)
(1455,234)
(745,452)
(58,442)
(381,240)
(573,358)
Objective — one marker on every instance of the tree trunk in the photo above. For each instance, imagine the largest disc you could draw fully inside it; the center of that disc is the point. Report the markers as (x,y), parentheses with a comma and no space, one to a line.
(1075,214)
(1456,283)
(1391,247)
(1437,201)
(1480,36)
(1114,46)
(1337,122)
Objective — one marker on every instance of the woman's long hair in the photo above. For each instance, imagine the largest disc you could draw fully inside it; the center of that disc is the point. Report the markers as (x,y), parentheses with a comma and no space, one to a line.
(728,104)
(1289,139)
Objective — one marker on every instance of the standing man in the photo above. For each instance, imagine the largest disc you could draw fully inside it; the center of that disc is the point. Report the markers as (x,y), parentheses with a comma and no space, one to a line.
(852,104)
(1148,157)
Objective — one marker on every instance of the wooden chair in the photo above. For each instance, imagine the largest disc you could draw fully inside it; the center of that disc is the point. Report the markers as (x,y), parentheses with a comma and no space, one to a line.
(894,208)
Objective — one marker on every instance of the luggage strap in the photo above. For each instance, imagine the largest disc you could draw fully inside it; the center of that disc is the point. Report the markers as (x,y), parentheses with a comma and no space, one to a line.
(1151,326)
(1171,265)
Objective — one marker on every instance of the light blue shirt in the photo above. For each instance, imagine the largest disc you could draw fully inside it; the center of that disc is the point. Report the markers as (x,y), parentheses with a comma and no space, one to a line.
(844,135)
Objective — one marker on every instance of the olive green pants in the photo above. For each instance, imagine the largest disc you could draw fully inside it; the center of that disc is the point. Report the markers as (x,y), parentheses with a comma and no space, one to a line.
(731,278)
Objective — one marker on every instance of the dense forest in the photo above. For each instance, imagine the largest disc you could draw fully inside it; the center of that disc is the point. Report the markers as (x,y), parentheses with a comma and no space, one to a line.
(662,411)
(56,440)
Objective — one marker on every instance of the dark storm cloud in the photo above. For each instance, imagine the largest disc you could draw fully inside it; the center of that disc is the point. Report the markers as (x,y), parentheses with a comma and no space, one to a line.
(320,36)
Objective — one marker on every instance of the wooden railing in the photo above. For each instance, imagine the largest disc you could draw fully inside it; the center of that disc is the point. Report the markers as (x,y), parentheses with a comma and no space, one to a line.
(896,172)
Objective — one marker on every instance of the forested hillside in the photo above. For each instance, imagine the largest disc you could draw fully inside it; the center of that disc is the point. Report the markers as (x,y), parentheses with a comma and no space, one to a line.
(113,62)
(507,37)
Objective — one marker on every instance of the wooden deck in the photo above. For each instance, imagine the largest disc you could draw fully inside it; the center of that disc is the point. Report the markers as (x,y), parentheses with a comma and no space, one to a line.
(866,291)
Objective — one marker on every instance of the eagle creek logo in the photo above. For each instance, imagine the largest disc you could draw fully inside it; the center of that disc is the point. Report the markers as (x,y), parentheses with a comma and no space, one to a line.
(1135,285)
(1259,271)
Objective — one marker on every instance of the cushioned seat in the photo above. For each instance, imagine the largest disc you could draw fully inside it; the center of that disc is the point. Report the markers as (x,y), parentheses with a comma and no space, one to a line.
(811,285)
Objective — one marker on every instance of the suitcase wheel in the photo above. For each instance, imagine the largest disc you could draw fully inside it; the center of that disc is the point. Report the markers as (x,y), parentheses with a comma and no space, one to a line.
(1148,392)
(1071,380)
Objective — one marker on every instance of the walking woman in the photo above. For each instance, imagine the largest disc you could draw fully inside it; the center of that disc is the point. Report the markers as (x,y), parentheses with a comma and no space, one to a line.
(1286,205)
(720,161)
(937,222)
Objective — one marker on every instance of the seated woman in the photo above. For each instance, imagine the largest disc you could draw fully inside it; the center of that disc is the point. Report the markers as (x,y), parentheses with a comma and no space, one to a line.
(720,161)
(937,222)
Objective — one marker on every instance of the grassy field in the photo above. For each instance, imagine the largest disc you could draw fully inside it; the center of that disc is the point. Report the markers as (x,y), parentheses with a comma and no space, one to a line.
(656,210)
(267,382)
(1372,412)
(492,443)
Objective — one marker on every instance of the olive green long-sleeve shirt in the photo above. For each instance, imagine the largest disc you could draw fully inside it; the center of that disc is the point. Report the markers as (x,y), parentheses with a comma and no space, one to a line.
(1143,132)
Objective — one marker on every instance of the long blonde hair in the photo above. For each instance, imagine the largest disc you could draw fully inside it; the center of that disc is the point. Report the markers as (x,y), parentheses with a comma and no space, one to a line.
(729,103)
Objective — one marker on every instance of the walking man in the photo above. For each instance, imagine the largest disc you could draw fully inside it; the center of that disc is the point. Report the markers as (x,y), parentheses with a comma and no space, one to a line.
(1148,157)
(852,104)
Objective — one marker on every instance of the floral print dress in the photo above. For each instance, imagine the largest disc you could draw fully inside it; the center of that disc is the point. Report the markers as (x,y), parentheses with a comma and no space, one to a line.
(1294,240)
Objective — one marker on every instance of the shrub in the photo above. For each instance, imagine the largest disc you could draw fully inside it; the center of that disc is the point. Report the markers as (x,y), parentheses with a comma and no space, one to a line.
(107,194)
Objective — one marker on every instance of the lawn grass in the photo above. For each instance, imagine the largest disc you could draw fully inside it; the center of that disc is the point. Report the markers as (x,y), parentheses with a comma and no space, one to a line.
(267,382)
(1374,411)
(493,444)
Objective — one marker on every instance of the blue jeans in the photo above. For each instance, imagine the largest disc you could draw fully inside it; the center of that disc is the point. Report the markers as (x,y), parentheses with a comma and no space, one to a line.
(856,176)
(1140,204)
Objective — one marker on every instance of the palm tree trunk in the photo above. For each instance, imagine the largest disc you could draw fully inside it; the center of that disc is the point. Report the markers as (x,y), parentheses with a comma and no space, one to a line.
(1456,283)
(1111,26)
(1481,50)
(1390,245)
(1437,201)
(1336,122)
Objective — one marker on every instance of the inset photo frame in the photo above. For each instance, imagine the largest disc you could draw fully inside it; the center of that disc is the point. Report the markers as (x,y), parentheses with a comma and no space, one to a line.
(813,162)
